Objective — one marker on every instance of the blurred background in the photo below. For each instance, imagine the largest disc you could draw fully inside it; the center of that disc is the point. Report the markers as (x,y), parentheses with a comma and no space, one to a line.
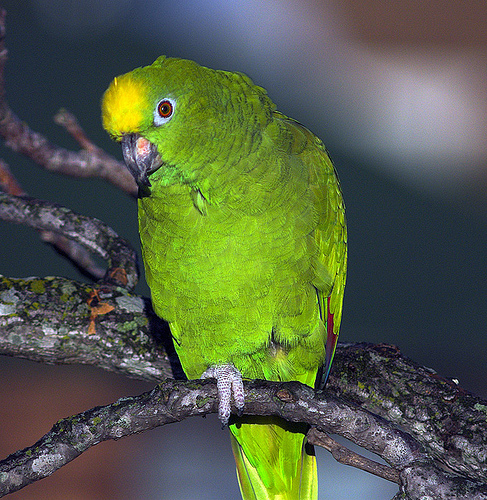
(397,90)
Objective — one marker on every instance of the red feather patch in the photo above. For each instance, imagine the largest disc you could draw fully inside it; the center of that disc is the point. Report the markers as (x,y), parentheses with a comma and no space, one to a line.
(331,342)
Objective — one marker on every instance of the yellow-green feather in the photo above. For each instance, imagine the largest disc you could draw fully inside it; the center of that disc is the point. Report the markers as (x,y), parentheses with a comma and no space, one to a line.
(244,245)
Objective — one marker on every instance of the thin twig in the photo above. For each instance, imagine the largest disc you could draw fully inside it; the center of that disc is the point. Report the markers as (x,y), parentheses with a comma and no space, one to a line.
(92,233)
(8,183)
(90,162)
(67,120)
(73,251)
(346,456)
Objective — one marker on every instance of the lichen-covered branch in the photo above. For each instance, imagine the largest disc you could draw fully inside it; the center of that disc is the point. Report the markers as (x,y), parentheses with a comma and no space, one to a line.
(93,234)
(449,421)
(72,436)
(173,401)
(76,253)
(89,162)
(56,320)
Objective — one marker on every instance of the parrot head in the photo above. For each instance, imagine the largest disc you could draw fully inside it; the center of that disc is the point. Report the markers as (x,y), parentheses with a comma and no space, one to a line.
(183,117)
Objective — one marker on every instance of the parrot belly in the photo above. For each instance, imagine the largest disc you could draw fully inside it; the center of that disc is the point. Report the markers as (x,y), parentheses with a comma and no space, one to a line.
(236,289)
(233,289)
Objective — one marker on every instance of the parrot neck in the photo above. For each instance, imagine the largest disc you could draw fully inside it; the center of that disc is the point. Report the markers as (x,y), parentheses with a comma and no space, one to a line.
(247,174)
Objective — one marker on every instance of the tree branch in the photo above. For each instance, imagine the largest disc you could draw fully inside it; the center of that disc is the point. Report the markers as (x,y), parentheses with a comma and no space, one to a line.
(56,320)
(93,234)
(174,401)
(89,162)
(8,182)
(449,421)
(49,320)
(76,253)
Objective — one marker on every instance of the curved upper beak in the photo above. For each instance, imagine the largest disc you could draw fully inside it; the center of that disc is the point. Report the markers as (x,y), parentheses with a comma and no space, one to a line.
(141,157)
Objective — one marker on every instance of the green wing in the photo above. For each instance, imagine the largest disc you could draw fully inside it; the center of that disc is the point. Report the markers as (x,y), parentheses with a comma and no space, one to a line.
(274,460)
(330,234)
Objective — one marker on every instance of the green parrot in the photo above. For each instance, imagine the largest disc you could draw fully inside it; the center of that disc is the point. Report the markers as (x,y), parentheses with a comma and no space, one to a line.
(243,234)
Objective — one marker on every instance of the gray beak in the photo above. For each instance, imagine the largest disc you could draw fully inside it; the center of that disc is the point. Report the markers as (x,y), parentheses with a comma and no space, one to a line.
(141,158)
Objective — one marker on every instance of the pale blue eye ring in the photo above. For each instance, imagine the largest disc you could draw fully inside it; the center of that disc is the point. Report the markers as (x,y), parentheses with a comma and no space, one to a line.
(164,111)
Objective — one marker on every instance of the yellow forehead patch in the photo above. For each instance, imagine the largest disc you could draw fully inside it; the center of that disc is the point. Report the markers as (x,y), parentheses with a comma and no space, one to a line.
(124,106)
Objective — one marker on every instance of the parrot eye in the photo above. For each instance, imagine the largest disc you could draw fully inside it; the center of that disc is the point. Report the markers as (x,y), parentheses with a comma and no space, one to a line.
(164,111)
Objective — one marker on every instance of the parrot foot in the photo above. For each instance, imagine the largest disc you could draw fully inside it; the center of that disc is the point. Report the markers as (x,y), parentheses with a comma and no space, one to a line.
(228,382)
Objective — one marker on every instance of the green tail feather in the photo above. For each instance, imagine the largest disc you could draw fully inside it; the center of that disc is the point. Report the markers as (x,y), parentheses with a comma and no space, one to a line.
(274,461)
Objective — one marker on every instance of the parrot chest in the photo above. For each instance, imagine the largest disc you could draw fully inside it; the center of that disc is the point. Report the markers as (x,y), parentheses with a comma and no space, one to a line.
(224,281)
(216,259)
